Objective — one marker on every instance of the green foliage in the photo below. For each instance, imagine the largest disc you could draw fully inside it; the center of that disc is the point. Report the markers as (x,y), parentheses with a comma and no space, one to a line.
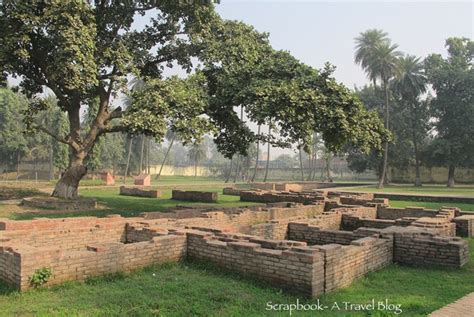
(40,276)
(12,139)
(452,79)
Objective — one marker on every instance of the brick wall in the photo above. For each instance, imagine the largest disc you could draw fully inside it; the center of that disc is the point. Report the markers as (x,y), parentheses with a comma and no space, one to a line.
(271,197)
(299,270)
(465,226)
(428,249)
(344,264)
(191,195)
(396,213)
(134,191)
(315,236)
(66,234)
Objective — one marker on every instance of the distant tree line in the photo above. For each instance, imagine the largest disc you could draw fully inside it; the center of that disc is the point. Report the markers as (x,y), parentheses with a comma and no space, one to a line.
(428,105)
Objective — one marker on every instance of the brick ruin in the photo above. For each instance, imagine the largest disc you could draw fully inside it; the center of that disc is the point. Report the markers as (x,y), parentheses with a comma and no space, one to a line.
(310,249)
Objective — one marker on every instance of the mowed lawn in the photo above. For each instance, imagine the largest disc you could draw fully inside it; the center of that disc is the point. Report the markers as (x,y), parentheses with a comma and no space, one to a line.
(201,289)
(127,206)
(440,190)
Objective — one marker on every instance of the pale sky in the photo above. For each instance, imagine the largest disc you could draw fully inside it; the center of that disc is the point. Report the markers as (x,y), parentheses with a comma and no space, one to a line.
(320,31)
(323,31)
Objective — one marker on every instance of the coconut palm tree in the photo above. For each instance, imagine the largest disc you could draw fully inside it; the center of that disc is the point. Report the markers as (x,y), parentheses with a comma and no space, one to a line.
(196,153)
(366,44)
(409,84)
(379,59)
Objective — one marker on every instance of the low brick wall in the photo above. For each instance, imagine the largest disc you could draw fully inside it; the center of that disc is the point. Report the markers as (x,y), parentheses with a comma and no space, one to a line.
(138,192)
(465,226)
(351,222)
(431,198)
(344,264)
(315,236)
(99,259)
(275,230)
(428,249)
(298,269)
(232,191)
(438,225)
(206,197)
(272,197)
(393,213)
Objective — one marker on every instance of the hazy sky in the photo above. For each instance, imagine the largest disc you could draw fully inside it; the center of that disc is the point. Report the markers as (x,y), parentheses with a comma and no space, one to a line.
(323,31)
(320,31)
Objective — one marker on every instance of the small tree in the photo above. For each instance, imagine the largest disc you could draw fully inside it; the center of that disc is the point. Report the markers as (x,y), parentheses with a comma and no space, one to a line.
(197,153)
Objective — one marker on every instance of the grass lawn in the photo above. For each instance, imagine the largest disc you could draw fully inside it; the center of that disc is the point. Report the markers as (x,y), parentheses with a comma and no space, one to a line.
(430,205)
(163,181)
(128,206)
(200,289)
(441,190)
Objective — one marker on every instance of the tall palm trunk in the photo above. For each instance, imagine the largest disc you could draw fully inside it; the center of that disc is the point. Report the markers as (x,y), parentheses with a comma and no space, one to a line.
(256,159)
(417,161)
(268,154)
(382,175)
(128,159)
(165,158)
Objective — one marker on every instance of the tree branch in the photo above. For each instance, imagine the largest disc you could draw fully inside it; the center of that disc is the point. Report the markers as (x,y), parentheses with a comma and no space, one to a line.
(66,140)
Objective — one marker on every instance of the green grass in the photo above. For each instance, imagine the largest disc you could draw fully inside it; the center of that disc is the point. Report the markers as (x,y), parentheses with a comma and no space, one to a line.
(431,205)
(442,190)
(201,289)
(128,206)
(163,181)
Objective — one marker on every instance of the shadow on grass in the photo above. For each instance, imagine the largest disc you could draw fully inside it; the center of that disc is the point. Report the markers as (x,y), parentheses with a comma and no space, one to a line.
(6,289)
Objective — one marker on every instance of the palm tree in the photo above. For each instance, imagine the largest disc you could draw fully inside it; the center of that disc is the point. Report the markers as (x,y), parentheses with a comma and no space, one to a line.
(128,158)
(366,44)
(379,59)
(409,83)
(196,153)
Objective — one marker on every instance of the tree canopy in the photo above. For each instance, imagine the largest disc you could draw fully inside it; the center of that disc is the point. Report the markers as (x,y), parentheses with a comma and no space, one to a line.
(86,53)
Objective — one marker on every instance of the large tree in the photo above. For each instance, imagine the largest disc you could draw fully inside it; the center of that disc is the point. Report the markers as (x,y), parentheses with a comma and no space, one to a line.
(378,57)
(452,78)
(409,84)
(86,50)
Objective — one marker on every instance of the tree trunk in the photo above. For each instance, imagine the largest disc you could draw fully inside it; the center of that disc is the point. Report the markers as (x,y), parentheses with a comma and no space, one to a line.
(256,160)
(385,153)
(128,159)
(268,154)
(417,162)
(328,168)
(165,158)
(451,175)
(195,168)
(18,160)
(51,162)
(141,154)
(237,168)
(230,170)
(301,164)
(69,182)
